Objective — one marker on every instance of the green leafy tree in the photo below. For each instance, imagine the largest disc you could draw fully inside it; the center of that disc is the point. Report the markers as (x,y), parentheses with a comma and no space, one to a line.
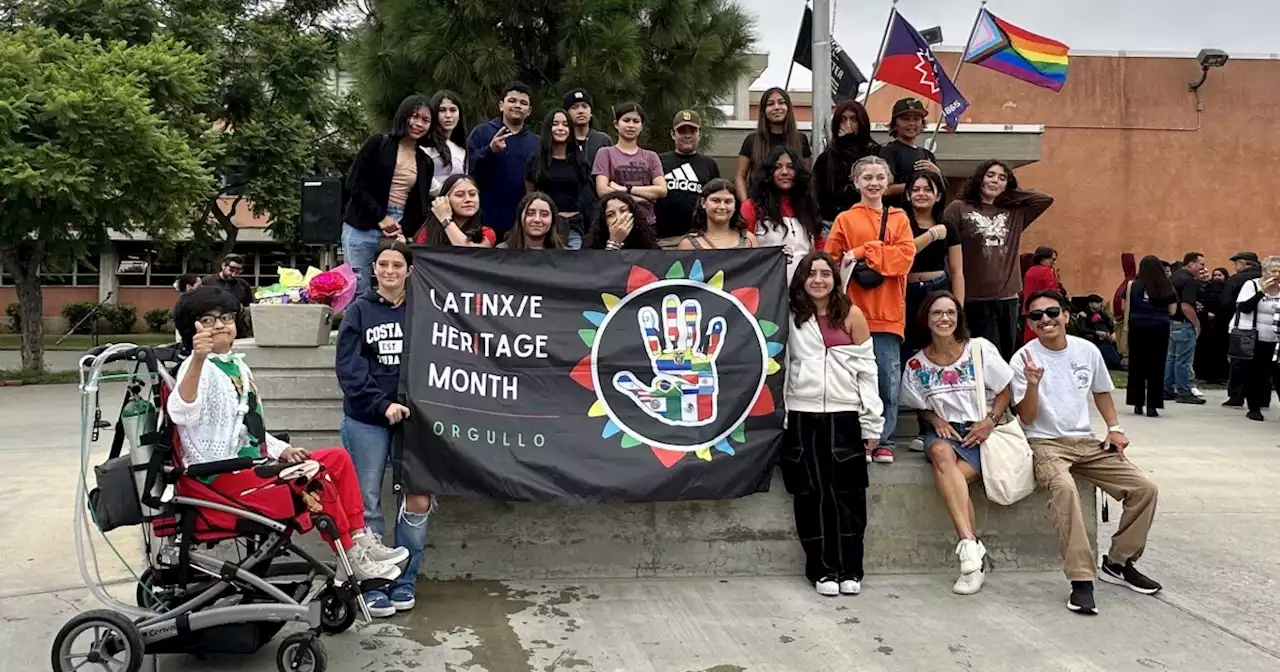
(94,136)
(666,54)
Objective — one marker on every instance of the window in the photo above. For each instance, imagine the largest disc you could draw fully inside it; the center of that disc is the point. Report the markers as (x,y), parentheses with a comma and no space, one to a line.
(270,259)
(166,266)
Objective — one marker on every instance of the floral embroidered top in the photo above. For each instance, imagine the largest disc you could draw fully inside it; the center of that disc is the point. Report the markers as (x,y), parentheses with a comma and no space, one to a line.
(225,419)
(949,391)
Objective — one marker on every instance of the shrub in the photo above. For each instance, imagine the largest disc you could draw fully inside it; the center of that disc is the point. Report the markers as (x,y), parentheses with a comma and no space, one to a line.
(74,312)
(121,318)
(157,319)
(12,311)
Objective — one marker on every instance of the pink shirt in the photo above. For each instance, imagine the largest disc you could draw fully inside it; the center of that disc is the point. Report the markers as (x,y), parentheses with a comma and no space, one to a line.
(833,335)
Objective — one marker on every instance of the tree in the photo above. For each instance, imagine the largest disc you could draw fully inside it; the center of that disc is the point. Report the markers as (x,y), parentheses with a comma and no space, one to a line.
(93,136)
(666,54)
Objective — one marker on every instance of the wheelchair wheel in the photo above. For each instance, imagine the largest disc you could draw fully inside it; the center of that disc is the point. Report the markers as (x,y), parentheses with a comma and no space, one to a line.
(105,638)
(145,596)
(337,610)
(301,652)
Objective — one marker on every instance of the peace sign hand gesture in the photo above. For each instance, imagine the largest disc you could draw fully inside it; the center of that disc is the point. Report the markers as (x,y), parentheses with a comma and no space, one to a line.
(1031,370)
(499,141)
(685,385)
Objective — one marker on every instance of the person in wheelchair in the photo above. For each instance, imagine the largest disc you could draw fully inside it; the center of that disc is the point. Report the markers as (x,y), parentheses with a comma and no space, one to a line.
(218,416)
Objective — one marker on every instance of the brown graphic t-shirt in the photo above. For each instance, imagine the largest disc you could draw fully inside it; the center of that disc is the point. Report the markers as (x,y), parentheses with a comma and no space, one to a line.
(630,170)
(990,236)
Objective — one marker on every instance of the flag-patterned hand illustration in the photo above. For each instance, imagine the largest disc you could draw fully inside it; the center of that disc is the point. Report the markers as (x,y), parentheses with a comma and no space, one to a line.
(685,383)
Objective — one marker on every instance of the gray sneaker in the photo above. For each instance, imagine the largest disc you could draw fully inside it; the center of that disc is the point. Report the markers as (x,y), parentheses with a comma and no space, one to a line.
(373,546)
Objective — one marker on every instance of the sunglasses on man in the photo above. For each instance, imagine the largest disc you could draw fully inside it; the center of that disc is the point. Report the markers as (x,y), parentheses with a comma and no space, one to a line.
(1037,315)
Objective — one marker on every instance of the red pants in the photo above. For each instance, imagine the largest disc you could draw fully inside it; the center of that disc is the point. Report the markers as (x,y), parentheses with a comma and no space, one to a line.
(339,494)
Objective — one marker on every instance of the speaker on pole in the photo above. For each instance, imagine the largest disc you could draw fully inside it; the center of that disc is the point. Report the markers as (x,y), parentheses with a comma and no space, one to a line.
(321,210)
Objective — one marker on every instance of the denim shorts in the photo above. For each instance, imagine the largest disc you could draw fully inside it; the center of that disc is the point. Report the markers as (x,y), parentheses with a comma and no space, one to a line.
(972,455)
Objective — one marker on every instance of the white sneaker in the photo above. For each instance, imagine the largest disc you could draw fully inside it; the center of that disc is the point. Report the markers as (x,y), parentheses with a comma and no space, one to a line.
(1195,392)
(850,587)
(827,587)
(365,568)
(372,544)
(970,583)
(917,444)
(971,553)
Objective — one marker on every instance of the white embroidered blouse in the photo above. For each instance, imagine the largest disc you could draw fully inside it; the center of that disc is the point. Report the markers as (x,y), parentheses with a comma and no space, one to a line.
(211,428)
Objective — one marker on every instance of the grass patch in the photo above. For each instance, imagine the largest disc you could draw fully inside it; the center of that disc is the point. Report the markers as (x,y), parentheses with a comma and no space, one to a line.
(39,377)
(1120,379)
(81,343)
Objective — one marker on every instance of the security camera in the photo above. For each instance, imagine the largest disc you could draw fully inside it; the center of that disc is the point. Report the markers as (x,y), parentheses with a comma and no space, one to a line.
(932,35)
(1212,58)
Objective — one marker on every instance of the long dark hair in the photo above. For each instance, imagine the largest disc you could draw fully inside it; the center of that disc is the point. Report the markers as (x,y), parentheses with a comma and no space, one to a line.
(1041,254)
(459,134)
(922,316)
(515,237)
(1154,281)
(802,306)
(842,153)
(939,188)
(768,198)
(641,237)
(700,211)
(400,122)
(473,229)
(972,191)
(572,153)
(760,140)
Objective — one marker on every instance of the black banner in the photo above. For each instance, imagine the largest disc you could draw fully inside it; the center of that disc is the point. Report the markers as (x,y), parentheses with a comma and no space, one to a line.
(593,376)
(845,75)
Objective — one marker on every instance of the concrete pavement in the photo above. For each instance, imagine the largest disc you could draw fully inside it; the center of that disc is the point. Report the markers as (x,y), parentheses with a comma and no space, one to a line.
(1213,546)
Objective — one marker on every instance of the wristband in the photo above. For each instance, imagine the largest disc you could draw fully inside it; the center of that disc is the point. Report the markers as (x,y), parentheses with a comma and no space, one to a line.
(1116,428)
(611,245)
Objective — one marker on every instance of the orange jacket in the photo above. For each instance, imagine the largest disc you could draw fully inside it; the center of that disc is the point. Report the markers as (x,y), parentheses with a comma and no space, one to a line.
(857,231)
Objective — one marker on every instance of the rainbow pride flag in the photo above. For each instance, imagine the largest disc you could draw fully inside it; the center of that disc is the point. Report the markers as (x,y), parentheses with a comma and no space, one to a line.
(1004,47)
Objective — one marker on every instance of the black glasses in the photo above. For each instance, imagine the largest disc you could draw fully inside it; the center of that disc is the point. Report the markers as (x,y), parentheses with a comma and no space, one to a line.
(1052,313)
(207,321)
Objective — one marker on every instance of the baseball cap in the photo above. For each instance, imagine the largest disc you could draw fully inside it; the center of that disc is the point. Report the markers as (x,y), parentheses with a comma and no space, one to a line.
(1245,256)
(578,95)
(686,118)
(909,105)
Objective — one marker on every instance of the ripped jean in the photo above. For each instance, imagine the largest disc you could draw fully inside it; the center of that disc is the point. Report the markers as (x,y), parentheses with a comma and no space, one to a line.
(370,448)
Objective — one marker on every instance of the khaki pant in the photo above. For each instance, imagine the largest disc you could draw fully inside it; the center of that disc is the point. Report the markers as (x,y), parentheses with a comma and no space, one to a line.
(1055,462)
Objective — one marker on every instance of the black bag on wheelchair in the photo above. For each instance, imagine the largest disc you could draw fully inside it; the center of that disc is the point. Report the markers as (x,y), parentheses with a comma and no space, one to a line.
(114,503)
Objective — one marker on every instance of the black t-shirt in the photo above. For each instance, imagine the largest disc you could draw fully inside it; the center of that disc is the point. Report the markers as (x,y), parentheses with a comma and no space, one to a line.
(902,163)
(562,183)
(1187,288)
(933,257)
(686,174)
(775,139)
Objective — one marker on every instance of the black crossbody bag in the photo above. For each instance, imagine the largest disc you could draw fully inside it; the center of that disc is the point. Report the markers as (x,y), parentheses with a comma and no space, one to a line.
(863,274)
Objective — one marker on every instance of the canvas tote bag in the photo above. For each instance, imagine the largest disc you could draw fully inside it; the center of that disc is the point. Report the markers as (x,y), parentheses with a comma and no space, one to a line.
(1007,471)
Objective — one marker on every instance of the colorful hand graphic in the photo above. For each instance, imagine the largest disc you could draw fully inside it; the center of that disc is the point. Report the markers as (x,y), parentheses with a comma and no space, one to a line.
(685,384)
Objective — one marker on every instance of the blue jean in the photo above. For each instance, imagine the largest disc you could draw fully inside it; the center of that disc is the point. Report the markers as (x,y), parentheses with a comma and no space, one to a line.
(359,247)
(370,448)
(1182,352)
(888,349)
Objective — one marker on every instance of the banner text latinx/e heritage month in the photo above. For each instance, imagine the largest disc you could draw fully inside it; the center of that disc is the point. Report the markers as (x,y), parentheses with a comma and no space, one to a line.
(491,345)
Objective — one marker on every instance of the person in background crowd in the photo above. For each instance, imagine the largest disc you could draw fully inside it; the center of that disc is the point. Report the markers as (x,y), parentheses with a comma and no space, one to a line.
(1053,378)
(1247,268)
(686,172)
(880,237)
(989,218)
(717,226)
(1258,308)
(448,148)
(186,283)
(833,169)
(1093,324)
(456,218)
(579,105)
(833,414)
(1211,348)
(389,185)
(1184,332)
(1152,301)
(628,167)
(941,382)
(370,342)
(559,170)
(499,151)
(1041,277)
(536,229)
(619,224)
(775,127)
(228,279)
(782,210)
(1129,265)
(902,153)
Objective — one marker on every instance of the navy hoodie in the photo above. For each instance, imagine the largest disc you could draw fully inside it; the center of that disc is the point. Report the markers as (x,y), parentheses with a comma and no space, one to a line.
(499,175)
(370,342)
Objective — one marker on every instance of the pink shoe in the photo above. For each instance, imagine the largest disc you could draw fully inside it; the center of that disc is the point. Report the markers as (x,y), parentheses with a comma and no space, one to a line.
(883,455)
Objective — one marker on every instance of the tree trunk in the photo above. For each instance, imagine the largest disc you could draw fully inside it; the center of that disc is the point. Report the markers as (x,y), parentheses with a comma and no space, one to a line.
(26,279)
(229,229)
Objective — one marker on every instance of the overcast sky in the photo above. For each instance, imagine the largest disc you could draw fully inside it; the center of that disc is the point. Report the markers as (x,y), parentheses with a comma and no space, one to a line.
(1239,26)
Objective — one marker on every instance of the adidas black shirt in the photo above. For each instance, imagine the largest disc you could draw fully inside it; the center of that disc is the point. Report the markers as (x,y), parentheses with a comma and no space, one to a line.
(686,174)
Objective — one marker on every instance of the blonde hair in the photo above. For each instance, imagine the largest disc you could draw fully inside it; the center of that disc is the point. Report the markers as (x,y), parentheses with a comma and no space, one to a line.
(868,161)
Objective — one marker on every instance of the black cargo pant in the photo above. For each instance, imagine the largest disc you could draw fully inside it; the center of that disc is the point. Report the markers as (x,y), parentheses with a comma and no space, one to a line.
(996,321)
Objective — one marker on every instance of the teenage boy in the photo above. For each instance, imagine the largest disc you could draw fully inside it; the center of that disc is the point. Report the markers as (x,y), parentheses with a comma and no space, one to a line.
(578,103)
(497,152)
(1054,376)
(687,172)
(901,153)
(1184,332)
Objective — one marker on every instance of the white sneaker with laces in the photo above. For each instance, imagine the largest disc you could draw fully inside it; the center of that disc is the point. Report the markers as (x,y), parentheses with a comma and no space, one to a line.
(365,567)
(828,587)
(1195,392)
(372,544)
(917,445)
(970,583)
(971,553)
(850,587)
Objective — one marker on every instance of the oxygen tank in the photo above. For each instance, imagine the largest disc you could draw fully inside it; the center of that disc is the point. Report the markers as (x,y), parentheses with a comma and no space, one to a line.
(138,419)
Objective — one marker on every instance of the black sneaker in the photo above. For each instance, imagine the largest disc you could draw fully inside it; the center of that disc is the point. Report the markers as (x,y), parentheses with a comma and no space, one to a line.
(1255,416)
(1169,396)
(1153,413)
(1137,410)
(1189,399)
(1081,600)
(1127,575)
(1234,403)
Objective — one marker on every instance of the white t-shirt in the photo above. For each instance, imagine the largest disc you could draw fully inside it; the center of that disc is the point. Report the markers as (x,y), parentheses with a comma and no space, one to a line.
(1071,377)
(457,165)
(950,392)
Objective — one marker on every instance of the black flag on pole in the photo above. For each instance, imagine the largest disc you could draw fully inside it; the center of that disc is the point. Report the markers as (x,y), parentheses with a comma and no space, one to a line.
(593,376)
(845,75)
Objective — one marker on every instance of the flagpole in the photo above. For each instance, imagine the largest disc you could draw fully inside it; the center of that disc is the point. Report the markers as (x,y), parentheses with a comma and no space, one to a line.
(884,39)
(937,125)
(787,87)
(820,104)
